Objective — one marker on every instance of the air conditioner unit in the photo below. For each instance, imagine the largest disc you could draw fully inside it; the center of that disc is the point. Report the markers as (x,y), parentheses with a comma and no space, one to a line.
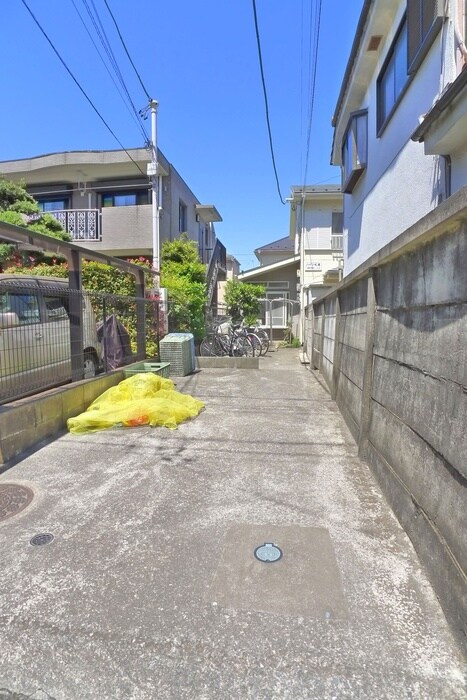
(180,348)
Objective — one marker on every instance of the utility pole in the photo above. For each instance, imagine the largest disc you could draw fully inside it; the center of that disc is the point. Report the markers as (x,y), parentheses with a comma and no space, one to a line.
(153,173)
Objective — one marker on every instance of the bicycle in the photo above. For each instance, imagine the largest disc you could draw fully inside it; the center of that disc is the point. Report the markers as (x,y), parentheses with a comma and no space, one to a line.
(225,340)
(254,339)
(263,337)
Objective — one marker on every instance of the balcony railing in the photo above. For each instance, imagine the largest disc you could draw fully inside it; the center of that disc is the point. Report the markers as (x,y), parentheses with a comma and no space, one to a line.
(81,224)
(337,242)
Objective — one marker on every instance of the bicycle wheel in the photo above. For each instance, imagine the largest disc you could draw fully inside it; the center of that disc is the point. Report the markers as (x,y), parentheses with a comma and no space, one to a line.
(242,347)
(222,344)
(256,343)
(207,346)
(264,338)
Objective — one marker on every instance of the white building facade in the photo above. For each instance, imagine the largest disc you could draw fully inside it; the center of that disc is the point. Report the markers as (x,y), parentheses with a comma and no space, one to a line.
(407,54)
(316,228)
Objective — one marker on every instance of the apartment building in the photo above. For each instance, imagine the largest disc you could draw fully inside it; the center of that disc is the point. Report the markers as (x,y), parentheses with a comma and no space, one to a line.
(103,199)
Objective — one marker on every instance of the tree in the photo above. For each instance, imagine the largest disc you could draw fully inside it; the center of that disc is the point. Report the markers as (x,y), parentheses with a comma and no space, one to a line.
(18,207)
(242,300)
(184,277)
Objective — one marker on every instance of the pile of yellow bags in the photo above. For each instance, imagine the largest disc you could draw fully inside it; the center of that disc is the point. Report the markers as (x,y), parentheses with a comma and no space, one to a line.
(142,399)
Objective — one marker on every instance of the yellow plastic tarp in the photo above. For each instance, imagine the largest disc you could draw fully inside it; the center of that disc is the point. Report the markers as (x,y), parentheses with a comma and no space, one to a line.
(142,399)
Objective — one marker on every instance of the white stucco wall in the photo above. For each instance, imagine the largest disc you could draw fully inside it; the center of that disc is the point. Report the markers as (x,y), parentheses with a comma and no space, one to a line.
(316,241)
(325,260)
(400,184)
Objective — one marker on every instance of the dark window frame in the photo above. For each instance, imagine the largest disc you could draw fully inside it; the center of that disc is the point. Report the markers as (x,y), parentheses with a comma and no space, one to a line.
(352,172)
(337,222)
(421,32)
(138,194)
(383,119)
(182,217)
(48,200)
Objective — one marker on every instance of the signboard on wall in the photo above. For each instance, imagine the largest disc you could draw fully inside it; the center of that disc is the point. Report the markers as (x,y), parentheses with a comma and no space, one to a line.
(313,267)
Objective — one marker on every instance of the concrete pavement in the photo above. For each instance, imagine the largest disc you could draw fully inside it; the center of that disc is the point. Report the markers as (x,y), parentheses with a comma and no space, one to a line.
(151,590)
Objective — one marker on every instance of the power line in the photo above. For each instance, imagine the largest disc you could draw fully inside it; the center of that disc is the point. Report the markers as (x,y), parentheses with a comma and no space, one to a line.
(79,85)
(312,87)
(101,33)
(266,102)
(126,50)
(130,112)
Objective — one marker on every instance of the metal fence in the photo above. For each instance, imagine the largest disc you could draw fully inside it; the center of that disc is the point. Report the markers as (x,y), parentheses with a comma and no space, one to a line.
(51,335)
(277,315)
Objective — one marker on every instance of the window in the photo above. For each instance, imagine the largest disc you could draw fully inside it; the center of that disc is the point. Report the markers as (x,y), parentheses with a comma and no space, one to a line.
(276,285)
(354,150)
(125,199)
(277,311)
(393,77)
(337,225)
(25,306)
(52,204)
(57,307)
(424,19)
(182,217)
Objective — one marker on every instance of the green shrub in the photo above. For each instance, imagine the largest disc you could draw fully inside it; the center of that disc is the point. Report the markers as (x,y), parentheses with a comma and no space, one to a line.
(184,277)
(242,299)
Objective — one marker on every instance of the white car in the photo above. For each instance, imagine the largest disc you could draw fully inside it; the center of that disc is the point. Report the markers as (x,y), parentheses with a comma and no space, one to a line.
(35,347)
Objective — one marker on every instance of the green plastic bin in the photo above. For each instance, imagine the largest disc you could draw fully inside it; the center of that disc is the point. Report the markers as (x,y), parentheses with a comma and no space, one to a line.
(162,368)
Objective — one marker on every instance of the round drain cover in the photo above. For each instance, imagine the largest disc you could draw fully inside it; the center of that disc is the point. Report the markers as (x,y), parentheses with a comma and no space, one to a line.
(13,499)
(42,538)
(268,553)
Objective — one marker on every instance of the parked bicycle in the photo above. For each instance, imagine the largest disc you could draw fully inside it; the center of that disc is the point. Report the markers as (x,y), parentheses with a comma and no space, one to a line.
(262,335)
(226,339)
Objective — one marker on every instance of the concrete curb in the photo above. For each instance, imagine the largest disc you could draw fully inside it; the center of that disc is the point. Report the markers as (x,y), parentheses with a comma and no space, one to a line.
(227,362)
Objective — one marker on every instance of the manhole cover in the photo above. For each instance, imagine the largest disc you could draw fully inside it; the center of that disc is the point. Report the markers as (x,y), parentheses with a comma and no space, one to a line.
(13,499)
(42,538)
(268,553)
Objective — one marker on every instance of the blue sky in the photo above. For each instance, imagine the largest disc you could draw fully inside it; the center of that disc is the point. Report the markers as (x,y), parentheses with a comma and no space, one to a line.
(199,60)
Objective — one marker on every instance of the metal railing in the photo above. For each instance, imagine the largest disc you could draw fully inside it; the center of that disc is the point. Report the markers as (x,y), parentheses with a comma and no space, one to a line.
(337,242)
(51,335)
(81,224)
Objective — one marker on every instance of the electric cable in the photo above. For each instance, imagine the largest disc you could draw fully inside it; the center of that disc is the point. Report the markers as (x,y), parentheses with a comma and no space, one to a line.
(130,112)
(126,51)
(266,101)
(302,43)
(312,90)
(101,33)
(79,85)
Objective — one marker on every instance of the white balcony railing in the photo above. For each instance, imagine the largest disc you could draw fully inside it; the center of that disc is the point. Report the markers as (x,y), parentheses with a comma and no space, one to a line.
(81,224)
(337,242)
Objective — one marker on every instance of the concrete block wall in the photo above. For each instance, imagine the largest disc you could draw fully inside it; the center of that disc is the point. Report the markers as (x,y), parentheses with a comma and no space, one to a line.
(27,422)
(398,373)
